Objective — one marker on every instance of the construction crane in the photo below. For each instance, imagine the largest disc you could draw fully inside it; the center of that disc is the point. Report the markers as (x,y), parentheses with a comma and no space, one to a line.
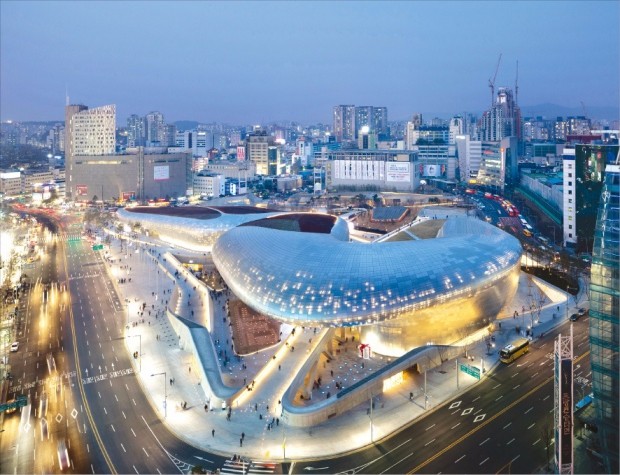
(492,82)
(517,85)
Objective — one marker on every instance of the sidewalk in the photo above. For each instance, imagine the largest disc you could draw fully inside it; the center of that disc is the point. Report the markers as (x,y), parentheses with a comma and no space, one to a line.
(152,285)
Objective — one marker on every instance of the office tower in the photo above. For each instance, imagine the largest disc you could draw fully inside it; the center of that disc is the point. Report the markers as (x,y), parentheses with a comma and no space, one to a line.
(344,122)
(154,128)
(136,132)
(502,120)
(583,176)
(70,111)
(257,150)
(604,314)
(366,138)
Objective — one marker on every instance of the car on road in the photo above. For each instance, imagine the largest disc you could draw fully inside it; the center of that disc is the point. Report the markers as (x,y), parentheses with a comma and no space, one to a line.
(14,346)
(574,317)
(63,455)
(581,312)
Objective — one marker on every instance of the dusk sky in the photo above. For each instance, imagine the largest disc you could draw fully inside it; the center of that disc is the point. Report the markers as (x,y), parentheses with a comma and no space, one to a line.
(256,62)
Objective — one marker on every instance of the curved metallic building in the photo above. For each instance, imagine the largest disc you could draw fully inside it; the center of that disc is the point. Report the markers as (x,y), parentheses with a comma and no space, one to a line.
(302,269)
(197,230)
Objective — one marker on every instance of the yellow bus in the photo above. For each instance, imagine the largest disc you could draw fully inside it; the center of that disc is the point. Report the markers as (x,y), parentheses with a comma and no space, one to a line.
(514,350)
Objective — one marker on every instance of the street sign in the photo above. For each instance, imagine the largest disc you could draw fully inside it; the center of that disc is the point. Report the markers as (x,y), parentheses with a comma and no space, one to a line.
(470,370)
(97,247)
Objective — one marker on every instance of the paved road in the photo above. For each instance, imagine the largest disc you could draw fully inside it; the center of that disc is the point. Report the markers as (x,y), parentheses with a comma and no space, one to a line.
(502,424)
(129,432)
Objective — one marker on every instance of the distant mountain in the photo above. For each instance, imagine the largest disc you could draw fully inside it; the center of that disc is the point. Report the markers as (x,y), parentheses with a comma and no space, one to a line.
(186,124)
(551,111)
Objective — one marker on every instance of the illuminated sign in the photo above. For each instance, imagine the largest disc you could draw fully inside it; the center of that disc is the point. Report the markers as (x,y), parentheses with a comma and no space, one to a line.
(81,190)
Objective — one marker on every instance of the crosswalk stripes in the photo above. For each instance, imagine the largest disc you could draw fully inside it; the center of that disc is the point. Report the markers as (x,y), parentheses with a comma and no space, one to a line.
(235,467)
(242,467)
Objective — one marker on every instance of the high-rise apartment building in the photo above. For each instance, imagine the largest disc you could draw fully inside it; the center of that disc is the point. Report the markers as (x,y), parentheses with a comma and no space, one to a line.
(155,128)
(502,120)
(604,315)
(136,131)
(344,122)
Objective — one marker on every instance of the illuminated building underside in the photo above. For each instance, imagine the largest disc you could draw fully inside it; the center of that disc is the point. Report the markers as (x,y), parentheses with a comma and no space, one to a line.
(402,294)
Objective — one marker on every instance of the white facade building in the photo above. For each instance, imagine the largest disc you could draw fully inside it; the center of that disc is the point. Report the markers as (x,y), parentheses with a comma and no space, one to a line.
(470,156)
(94,131)
(209,184)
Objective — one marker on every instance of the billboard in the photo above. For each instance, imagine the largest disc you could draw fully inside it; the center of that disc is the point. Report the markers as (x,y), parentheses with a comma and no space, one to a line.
(432,170)
(240,153)
(128,195)
(81,190)
(161,172)
(397,171)
(566,411)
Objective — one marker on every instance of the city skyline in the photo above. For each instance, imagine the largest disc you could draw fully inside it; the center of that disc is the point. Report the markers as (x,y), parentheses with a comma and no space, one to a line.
(253,62)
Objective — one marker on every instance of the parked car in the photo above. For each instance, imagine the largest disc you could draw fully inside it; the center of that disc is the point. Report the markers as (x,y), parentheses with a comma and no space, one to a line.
(581,312)
(14,346)
(574,317)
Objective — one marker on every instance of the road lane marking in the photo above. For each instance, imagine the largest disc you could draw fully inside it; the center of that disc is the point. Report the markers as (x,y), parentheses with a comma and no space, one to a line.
(546,397)
(112,426)
(484,441)
(147,454)
(474,400)
(455,426)
(430,427)
(510,442)
(536,442)
(124,414)
(516,386)
(507,425)
(497,386)
(115,397)
(499,398)
(134,402)
(460,458)
(105,410)
(514,375)
(528,410)
(134,434)
(531,426)
(483,461)
(430,442)
(535,374)
(134,467)
(393,465)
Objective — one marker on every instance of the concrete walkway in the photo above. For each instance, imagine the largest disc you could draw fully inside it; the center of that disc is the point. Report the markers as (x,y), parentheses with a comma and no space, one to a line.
(256,413)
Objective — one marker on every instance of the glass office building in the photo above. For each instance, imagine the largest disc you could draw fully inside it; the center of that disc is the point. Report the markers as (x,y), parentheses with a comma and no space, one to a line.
(604,312)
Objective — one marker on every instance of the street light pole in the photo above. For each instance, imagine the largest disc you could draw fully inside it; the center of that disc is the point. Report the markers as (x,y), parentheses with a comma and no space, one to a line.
(165,391)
